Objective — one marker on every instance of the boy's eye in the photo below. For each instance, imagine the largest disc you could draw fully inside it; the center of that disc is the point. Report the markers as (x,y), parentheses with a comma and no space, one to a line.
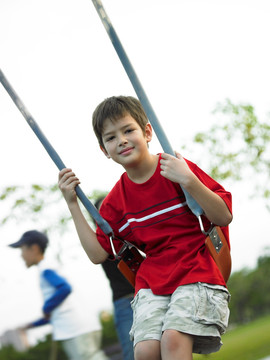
(129,130)
(110,138)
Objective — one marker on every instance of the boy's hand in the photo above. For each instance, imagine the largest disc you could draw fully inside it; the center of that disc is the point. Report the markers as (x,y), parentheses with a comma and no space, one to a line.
(175,169)
(24,327)
(46,316)
(67,183)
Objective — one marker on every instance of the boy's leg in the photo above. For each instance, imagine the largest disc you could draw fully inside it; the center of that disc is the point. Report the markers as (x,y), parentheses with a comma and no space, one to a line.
(176,345)
(148,316)
(89,346)
(85,347)
(70,348)
(200,310)
(147,350)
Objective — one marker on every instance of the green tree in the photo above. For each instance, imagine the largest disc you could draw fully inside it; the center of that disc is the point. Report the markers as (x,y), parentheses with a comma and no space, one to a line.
(39,201)
(238,147)
(43,350)
(250,290)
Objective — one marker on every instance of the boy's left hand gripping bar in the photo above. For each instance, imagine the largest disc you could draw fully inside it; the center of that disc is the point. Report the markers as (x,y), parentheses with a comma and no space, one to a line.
(103,224)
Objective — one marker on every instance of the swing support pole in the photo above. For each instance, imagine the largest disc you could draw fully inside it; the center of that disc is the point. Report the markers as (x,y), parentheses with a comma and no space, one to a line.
(193,205)
(53,154)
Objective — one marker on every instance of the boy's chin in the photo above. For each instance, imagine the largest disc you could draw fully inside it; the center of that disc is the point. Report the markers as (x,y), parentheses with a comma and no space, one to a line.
(28,265)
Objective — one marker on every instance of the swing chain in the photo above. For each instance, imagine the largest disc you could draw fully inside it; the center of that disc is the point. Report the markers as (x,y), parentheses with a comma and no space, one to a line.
(202,227)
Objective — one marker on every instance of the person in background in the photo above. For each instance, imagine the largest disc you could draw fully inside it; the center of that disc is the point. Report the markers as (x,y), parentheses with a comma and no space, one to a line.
(122,295)
(79,340)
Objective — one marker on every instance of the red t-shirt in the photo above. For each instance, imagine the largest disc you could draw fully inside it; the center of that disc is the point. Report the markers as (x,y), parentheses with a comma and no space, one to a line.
(154,216)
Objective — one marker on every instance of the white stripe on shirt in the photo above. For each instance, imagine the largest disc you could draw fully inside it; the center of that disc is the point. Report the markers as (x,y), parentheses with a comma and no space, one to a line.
(151,215)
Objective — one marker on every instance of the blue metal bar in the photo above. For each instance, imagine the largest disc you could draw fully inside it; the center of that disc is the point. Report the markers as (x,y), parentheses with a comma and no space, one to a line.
(193,205)
(53,154)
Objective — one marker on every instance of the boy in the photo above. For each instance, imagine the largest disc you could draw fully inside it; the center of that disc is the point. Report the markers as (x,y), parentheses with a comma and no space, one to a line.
(69,326)
(181,299)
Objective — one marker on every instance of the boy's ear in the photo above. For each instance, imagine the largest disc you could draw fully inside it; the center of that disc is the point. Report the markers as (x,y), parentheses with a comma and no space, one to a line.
(35,248)
(104,152)
(148,132)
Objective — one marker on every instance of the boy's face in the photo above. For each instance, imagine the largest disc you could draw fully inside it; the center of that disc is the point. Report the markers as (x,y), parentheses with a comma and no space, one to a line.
(124,140)
(30,254)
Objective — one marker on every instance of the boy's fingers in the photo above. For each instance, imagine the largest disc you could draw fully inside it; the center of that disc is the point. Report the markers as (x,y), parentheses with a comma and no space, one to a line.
(71,181)
(67,180)
(66,174)
(63,172)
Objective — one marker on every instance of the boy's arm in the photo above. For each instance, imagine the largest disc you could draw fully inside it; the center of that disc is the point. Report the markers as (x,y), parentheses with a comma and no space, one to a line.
(67,183)
(62,290)
(214,207)
(39,322)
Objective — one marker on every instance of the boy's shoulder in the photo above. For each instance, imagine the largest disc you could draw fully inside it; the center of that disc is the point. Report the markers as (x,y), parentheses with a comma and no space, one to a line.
(112,202)
(117,188)
(48,264)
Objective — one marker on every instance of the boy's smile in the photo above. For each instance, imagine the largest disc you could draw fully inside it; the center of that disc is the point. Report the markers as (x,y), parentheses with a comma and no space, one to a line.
(124,140)
(126,151)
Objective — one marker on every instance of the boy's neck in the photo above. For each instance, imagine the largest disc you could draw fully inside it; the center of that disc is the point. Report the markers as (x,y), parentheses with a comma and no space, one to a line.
(39,259)
(144,170)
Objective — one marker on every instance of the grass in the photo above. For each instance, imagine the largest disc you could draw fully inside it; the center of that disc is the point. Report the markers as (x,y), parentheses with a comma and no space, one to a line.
(246,342)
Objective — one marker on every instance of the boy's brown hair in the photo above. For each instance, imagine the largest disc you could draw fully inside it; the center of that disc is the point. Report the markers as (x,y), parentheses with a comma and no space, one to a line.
(115,107)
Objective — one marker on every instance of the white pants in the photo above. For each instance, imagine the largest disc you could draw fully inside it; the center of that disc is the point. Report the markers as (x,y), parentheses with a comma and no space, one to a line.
(85,347)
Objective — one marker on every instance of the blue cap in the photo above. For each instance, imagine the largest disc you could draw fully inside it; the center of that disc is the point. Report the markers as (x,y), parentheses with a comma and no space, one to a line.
(32,237)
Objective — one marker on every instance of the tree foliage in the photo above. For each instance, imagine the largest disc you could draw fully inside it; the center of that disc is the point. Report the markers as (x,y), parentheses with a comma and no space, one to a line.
(250,291)
(43,350)
(47,349)
(37,201)
(239,147)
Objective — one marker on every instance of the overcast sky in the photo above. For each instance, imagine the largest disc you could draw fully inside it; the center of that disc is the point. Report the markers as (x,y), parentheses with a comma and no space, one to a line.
(188,54)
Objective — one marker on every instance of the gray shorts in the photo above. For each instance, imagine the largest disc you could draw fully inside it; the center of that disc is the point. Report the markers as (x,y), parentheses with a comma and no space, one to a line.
(197,309)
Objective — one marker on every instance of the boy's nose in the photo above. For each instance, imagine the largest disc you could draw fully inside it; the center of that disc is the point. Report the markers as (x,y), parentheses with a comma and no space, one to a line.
(122,140)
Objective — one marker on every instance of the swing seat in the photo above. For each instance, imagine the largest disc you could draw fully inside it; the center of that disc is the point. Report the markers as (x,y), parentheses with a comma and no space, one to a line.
(220,252)
(130,262)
